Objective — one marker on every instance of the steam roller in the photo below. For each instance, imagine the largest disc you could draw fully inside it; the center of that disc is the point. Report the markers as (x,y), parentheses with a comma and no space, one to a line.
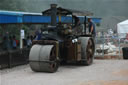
(61,44)
(46,58)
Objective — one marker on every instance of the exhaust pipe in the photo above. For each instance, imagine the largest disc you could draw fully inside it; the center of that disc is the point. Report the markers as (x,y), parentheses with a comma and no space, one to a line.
(53,14)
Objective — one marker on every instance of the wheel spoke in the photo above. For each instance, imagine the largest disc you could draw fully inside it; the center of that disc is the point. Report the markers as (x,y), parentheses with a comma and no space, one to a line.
(53,54)
(89,51)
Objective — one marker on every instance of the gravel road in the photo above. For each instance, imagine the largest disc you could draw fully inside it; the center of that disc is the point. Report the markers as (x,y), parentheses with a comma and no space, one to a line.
(101,72)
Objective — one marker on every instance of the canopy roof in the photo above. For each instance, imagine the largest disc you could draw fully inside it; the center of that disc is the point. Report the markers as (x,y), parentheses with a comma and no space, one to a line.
(17,13)
(15,17)
(64,11)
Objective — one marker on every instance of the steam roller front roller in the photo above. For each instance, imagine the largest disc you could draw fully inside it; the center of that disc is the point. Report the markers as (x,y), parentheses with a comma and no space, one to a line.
(87,50)
(43,58)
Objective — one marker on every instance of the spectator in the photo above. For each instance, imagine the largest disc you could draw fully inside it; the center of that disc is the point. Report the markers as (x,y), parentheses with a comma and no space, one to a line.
(24,43)
(35,37)
(91,26)
(5,43)
(17,42)
(29,42)
(10,44)
(14,45)
(77,21)
(127,36)
(39,35)
(31,38)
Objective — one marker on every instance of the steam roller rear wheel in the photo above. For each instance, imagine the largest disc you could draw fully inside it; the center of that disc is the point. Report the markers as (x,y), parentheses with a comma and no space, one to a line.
(42,58)
(87,48)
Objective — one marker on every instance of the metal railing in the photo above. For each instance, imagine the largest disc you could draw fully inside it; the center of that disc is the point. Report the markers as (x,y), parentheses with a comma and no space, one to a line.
(110,45)
(13,58)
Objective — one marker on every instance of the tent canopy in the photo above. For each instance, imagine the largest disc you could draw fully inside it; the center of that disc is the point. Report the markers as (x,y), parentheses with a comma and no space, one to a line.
(122,28)
(123,22)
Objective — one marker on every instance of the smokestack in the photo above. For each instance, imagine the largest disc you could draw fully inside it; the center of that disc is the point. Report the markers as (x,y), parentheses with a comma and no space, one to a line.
(53,14)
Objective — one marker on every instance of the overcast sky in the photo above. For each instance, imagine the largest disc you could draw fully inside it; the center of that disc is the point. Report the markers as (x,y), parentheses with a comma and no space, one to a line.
(98,7)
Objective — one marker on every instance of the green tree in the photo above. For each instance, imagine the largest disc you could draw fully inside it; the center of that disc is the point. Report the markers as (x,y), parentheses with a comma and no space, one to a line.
(11,5)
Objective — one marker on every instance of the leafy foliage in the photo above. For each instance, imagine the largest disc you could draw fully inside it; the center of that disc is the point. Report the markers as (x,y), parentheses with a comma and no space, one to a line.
(10,5)
(12,29)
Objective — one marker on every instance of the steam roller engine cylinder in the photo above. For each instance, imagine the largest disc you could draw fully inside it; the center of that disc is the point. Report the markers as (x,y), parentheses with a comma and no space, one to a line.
(42,58)
(87,50)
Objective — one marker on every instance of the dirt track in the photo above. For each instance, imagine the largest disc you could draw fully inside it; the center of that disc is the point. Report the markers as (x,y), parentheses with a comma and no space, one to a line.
(102,72)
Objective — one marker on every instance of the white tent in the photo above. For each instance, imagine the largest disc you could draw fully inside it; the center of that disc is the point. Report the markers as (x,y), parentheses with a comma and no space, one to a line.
(122,29)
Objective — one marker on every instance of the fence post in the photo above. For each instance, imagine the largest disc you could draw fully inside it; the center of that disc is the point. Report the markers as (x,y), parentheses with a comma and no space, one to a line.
(0,63)
(95,44)
(119,47)
(10,59)
(103,47)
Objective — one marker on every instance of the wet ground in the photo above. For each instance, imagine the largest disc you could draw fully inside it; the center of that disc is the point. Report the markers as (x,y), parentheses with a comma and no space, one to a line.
(102,72)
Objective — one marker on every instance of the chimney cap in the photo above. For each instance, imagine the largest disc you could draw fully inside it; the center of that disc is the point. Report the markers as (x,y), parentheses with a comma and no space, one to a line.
(53,5)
